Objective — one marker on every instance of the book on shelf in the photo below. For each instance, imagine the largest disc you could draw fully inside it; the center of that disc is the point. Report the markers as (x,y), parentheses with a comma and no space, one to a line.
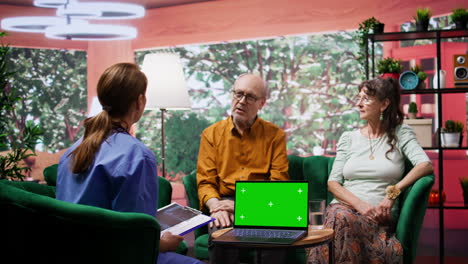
(180,220)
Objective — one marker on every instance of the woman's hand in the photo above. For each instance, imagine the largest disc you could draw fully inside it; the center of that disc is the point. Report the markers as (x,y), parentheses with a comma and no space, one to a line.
(384,210)
(169,242)
(367,210)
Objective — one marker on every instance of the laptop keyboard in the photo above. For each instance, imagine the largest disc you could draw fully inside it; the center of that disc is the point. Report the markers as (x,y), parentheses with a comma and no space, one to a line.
(266,233)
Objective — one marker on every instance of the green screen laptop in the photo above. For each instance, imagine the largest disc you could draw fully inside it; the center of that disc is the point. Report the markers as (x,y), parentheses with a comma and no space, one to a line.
(269,212)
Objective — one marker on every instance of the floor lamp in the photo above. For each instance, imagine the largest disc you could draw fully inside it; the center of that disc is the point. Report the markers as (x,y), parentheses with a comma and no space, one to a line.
(167,88)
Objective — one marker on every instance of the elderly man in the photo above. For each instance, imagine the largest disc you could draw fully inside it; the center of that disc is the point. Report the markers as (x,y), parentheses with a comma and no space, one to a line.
(241,147)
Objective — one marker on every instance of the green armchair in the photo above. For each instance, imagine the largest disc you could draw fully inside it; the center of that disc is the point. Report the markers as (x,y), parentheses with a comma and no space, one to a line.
(316,170)
(37,228)
(164,195)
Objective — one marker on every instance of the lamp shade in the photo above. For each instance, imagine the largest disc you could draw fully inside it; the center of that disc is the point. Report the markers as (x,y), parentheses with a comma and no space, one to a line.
(96,107)
(167,88)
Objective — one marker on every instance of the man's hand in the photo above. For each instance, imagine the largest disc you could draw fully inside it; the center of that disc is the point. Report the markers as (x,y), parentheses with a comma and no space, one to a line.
(169,242)
(223,205)
(222,219)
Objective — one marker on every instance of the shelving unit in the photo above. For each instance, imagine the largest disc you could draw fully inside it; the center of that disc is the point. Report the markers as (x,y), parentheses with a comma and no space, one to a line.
(437,35)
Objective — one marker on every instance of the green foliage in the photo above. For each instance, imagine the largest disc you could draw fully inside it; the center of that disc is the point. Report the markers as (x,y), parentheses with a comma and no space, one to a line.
(419,71)
(423,14)
(464,183)
(53,86)
(413,108)
(452,126)
(21,143)
(183,132)
(389,65)
(459,15)
(366,27)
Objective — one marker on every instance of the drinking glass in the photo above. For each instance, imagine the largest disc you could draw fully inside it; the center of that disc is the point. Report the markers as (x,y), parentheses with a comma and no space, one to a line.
(316,213)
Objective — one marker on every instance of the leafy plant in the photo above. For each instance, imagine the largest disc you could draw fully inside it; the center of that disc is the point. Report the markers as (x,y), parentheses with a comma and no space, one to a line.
(459,15)
(413,108)
(423,15)
(464,183)
(22,143)
(389,65)
(420,72)
(452,126)
(366,27)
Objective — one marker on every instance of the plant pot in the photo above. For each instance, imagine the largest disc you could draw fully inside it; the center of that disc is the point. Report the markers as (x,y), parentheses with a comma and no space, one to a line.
(412,115)
(395,76)
(465,196)
(422,25)
(378,28)
(460,24)
(450,140)
(421,85)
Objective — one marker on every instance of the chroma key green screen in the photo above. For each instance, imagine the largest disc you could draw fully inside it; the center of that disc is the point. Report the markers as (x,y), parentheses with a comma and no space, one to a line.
(271,203)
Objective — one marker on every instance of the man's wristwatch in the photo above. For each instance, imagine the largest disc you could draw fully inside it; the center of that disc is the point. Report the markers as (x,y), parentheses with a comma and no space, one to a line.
(392,192)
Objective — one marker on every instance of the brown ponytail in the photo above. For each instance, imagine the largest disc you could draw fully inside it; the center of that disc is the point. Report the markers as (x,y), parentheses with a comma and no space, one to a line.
(119,87)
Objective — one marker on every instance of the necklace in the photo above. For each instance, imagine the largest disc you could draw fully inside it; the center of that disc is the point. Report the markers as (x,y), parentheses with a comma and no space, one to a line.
(371,156)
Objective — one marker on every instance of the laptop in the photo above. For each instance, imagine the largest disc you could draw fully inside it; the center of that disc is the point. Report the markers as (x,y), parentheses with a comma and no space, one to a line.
(269,212)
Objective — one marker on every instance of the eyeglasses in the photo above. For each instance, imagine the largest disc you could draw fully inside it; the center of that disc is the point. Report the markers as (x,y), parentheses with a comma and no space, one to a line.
(365,100)
(250,99)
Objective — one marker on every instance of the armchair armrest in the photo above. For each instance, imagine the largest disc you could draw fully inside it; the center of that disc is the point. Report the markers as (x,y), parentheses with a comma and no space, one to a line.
(413,203)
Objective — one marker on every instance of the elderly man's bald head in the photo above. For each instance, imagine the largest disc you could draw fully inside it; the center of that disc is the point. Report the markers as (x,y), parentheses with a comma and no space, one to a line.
(254,81)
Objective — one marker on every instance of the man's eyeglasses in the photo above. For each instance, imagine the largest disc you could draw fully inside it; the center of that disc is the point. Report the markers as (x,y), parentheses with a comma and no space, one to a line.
(365,100)
(250,99)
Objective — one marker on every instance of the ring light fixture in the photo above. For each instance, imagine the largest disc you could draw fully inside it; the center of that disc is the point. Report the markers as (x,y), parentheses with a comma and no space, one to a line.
(35,24)
(91,32)
(69,23)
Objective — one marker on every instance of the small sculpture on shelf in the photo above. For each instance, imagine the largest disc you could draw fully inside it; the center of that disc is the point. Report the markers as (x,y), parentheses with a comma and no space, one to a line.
(459,17)
(423,15)
(412,110)
(389,67)
(464,185)
(452,134)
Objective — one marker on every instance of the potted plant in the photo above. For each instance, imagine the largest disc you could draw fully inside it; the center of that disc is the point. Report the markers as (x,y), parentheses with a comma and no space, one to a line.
(451,134)
(412,110)
(459,16)
(22,144)
(389,67)
(423,15)
(422,76)
(366,27)
(464,185)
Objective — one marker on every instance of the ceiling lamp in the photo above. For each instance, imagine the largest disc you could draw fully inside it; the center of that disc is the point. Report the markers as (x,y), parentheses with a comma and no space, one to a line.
(116,10)
(91,32)
(50,3)
(66,25)
(35,24)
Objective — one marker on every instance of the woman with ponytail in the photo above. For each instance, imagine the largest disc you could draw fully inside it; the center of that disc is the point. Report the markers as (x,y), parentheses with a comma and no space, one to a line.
(108,167)
(367,177)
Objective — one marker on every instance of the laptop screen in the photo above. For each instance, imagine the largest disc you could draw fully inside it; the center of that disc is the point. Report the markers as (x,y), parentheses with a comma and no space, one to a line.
(282,204)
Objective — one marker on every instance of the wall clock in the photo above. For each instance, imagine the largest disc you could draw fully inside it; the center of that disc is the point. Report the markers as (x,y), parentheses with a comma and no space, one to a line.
(409,80)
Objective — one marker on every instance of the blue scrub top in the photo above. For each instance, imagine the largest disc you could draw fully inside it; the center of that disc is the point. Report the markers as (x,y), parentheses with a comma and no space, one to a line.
(122,177)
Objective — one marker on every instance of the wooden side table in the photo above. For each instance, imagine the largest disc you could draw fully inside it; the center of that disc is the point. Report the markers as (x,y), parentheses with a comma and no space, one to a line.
(314,238)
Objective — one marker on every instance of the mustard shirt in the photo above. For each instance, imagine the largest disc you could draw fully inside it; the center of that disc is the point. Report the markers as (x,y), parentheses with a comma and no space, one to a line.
(225,156)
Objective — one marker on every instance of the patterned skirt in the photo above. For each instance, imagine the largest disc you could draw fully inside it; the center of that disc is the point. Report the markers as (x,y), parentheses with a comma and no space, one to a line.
(357,239)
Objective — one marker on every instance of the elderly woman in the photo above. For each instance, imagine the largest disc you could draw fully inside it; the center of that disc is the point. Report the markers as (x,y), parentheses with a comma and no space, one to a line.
(367,177)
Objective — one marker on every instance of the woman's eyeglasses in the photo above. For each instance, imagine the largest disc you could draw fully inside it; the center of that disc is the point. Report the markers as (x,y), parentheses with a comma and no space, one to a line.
(250,99)
(365,100)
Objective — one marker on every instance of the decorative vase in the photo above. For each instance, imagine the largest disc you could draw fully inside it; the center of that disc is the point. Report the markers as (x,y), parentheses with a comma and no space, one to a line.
(395,76)
(450,140)
(435,197)
(422,25)
(421,85)
(435,80)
